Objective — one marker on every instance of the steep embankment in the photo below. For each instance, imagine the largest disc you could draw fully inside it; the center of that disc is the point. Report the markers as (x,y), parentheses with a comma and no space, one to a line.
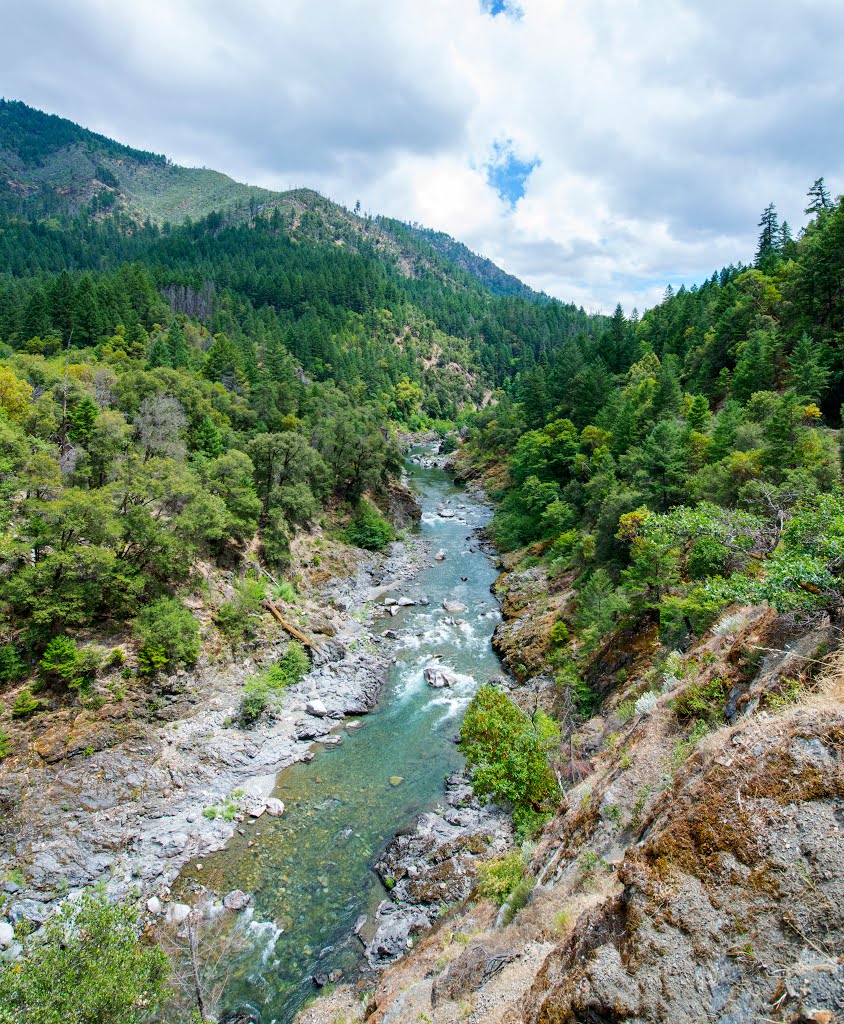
(694,871)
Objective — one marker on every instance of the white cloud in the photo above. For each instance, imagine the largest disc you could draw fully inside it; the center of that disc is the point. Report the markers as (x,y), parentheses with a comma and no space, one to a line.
(661,129)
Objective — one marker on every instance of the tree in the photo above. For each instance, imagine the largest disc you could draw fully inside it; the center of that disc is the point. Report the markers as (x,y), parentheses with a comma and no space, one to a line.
(768,248)
(508,751)
(809,374)
(160,423)
(176,347)
(90,965)
(169,635)
(819,199)
(15,395)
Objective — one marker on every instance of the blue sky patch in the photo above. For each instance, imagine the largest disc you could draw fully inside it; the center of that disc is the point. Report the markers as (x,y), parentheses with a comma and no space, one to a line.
(509,8)
(507,173)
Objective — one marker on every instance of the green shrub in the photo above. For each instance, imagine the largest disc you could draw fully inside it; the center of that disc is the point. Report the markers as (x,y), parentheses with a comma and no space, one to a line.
(498,877)
(285,591)
(5,744)
(680,616)
(508,752)
(702,700)
(63,662)
(253,705)
(169,636)
(257,695)
(368,528)
(559,635)
(519,896)
(25,704)
(91,966)
(626,710)
(238,619)
(11,665)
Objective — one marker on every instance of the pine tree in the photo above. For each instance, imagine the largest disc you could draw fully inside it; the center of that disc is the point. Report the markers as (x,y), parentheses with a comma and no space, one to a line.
(698,416)
(176,346)
(768,250)
(35,322)
(809,374)
(819,199)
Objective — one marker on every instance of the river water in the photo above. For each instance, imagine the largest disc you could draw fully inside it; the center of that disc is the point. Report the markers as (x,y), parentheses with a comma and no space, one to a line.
(310,870)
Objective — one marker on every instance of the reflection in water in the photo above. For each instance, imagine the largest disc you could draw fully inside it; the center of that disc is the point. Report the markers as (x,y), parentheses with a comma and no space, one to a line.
(310,869)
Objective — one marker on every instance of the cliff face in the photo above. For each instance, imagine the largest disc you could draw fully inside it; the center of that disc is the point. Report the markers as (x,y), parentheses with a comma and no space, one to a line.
(694,871)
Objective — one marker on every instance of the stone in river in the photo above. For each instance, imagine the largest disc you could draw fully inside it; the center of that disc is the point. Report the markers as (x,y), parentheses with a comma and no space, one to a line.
(438,677)
(275,807)
(447,513)
(454,606)
(406,602)
(236,900)
(396,780)
(439,556)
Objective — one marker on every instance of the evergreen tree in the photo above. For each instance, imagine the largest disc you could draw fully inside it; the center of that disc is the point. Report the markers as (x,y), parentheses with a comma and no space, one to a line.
(819,200)
(178,350)
(768,249)
(809,374)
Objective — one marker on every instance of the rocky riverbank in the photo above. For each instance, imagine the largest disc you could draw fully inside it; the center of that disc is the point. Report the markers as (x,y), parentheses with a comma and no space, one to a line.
(132,813)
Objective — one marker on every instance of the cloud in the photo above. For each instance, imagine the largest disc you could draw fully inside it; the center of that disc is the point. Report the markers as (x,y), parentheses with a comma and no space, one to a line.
(598,150)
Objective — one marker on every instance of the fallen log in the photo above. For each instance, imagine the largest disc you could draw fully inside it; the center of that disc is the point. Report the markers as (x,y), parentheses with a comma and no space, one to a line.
(292,630)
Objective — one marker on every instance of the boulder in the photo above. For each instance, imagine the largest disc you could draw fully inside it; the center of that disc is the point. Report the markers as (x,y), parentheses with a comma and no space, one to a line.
(455,607)
(447,513)
(316,708)
(236,900)
(275,807)
(406,602)
(439,556)
(438,677)
(7,935)
(154,905)
(177,913)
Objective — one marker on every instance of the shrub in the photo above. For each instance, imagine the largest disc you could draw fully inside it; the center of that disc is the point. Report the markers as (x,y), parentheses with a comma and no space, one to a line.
(253,705)
(519,896)
(237,619)
(11,665)
(508,751)
(702,700)
(5,744)
(63,662)
(626,710)
(498,877)
(646,703)
(169,635)
(368,528)
(285,591)
(258,691)
(90,966)
(25,704)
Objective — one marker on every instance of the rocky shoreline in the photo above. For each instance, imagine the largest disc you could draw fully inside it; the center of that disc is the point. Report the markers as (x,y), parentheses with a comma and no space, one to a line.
(130,816)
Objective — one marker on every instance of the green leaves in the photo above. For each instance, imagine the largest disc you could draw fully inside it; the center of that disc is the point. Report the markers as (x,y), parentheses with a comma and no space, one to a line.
(89,966)
(508,751)
(169,635)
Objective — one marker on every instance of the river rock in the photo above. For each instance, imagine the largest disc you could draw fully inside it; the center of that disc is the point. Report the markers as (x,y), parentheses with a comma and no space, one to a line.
(389,602)
(7,935)
(316,708)
(406,602)
(178,913)
(438,677)
(236,899)
(439,556)
(361,921)
(154,906)
(455,607)
(447,513)
(275,807)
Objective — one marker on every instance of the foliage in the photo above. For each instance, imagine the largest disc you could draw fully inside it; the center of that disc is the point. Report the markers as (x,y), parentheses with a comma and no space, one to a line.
(508,751)
(90,965)
(704,701)
(168,634)
(5,744)
(25,704)
(498,877)
(11,665)
(261,689)
(64,662)
(368,528)
(237,619)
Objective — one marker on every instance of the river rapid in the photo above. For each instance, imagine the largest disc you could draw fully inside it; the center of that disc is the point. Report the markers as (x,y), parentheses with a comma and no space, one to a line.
(310,871)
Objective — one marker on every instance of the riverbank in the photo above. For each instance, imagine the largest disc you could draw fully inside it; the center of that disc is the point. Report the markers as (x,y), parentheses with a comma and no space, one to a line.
(132,814)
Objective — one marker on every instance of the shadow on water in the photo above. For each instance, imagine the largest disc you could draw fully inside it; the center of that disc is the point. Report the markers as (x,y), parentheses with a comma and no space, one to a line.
(310,871)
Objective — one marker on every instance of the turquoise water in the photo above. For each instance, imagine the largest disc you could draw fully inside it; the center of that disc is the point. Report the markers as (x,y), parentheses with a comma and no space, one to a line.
(310,871)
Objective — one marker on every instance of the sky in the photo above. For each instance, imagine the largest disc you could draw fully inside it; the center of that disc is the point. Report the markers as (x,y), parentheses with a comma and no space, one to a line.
(598,149)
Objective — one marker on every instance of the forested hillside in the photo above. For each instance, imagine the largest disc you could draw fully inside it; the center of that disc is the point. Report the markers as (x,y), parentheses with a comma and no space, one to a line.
(688,459)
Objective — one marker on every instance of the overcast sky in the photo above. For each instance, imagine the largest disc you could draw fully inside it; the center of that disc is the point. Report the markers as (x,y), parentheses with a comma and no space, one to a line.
(599,149)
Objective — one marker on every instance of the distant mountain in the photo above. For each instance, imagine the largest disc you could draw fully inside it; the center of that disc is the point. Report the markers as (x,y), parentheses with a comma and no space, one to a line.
(50,166)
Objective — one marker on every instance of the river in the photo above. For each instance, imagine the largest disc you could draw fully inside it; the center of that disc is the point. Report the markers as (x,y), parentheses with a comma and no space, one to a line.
(310,870)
